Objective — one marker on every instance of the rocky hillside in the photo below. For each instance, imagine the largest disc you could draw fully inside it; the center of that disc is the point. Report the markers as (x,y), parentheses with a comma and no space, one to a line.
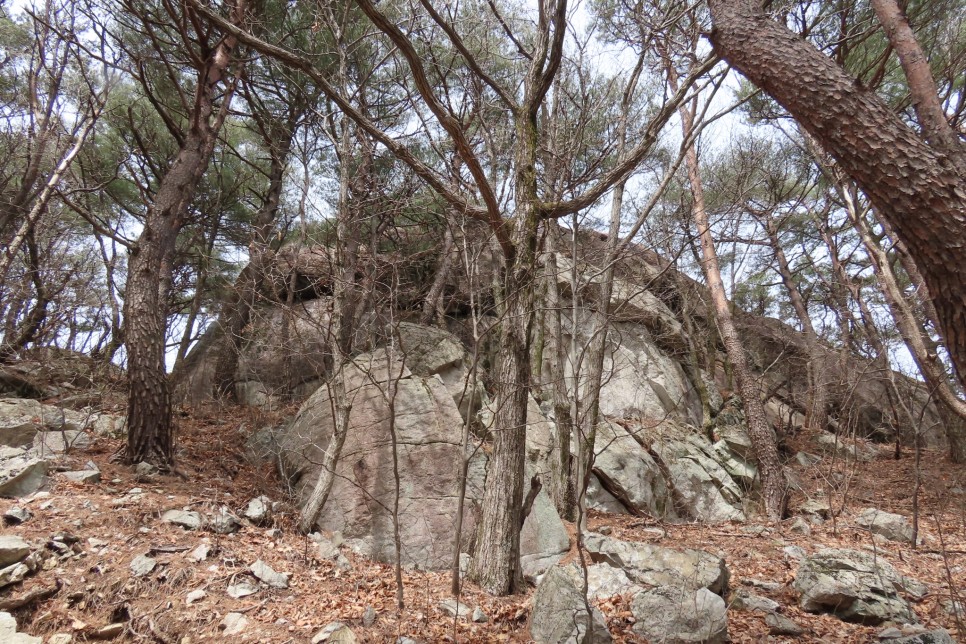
(674,551)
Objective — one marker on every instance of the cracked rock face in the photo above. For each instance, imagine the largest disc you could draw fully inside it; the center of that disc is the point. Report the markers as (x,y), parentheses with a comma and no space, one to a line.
(856,587)
(429,450)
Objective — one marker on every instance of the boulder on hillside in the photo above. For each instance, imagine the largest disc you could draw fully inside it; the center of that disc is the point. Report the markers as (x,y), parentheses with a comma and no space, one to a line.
(20,472)
(560,613)
(653,565)
(680,615)
(856,587)
(893,527)
(429,448)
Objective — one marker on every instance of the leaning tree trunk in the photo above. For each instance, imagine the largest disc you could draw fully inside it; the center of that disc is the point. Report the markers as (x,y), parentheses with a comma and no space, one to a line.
(773,485)
(919,189)
(149,423)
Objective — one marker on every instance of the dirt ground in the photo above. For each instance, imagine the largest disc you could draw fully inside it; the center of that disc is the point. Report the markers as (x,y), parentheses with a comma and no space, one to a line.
(113,526)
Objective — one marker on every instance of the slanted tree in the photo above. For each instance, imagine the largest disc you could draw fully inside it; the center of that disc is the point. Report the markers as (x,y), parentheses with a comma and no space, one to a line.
(917,184)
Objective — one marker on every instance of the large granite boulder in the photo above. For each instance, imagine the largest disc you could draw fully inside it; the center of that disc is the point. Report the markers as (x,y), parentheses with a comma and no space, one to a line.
(544,539)
(653,565)
(21,472)
(560,614)
(856,587)
(21,419)
(429,447)
(680,615)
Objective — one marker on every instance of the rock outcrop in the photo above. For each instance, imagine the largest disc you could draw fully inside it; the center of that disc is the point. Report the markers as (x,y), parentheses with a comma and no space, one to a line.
(856,587)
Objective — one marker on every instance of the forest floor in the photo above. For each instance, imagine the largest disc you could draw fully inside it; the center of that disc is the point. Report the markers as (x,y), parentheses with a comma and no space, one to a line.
(114,526)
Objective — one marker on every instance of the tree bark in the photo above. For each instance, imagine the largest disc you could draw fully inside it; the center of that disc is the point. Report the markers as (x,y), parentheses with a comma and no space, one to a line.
(149,423)
(919,189)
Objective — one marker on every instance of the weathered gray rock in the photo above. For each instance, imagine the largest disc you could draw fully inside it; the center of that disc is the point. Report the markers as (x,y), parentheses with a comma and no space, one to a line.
(9,634)
(454,608)
(234,624)
(893,527)
(21,475)
(241,589)
(369,616)
(800,526)
(142,565)
(186,519)
(627,472)
(429,450)
(22,418)
(560,613)
(479,616)
(818,507)
(940,636)
(267,575)
(544,539)
(604,580)
(223,522)
(335,633)
(781,625)
(83,476)
(601,500)
(855,586)
(55,443)
(13,574)
(657,566)
(259,510)
(743,600)
(846,448)
(13,550)
(677,614)
(16,515)
(704,490)
(195,596)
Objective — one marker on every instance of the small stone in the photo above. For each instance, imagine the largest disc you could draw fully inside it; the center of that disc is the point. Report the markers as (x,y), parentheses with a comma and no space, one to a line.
(200,553)
(605,530)
(242,589)
(796,553)
(806,460)
(781,625)
(454,608)
(234,623)
(756,530)
(479,616)
(800,526)
(13,549)
(83,476)
(195,596)
(108,632)
(13,574)
(743,600)
(761,584)
(259,510)
(185,519)
(268,576)
(144,471)
(224,522)
(817,507)
(889,633)
(324,548)
(940,636)
(142,565)
(369,616)
(94,542)
(16,515)
(334,633)
(60,638)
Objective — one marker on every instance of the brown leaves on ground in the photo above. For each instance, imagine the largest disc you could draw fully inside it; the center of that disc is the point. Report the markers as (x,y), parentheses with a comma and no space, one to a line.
(98,589)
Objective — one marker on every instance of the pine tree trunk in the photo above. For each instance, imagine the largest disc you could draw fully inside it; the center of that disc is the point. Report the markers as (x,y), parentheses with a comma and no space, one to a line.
(149,422)
(920,190)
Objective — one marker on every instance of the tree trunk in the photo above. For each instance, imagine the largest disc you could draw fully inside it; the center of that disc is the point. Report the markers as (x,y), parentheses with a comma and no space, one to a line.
(919,189)
(773,485)
(816,417)
(149,423)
